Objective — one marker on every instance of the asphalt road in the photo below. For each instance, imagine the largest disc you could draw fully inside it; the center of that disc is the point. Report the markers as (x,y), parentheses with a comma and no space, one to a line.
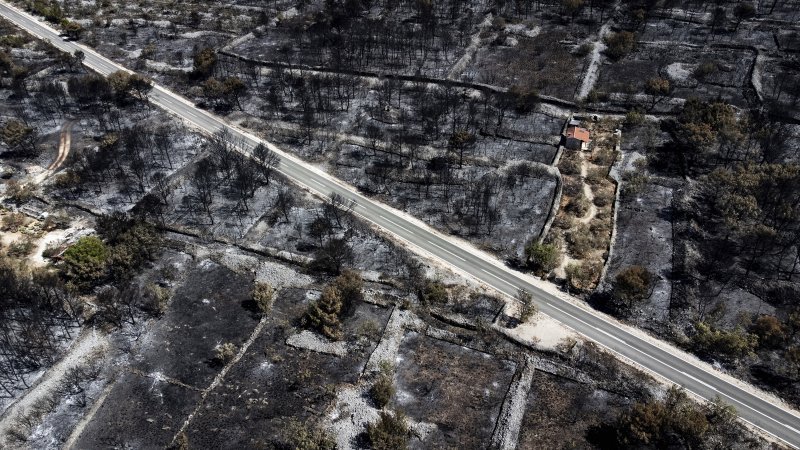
(782,423)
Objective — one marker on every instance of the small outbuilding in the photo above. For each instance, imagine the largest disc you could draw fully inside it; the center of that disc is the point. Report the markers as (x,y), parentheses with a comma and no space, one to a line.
(577,138)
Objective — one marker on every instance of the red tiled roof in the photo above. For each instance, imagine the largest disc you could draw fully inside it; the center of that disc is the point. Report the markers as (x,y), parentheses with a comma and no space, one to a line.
(581,134)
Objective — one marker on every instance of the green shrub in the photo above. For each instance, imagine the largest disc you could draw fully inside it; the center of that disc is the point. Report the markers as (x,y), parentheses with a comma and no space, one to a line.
(390,432)
(572,186)
(632,285)
(659,423)
(155,299)
(12,222)
(605,157)
(633,119)
(570,165)
(705,69)
(603,197)
(21,248)
(12,40)
(351,289)
(564,221)
(86,261)
(300,436)
(323,314)
(383,390)
(19,193)
(225,352)
(528,307)
(657,86)
(619,44)
(582,276)
(583,49)
(770,331)
(579,241)
(729,345)
(543,258)
(263,295)
(595,96)
(578,205)
(435,292)
(596,175)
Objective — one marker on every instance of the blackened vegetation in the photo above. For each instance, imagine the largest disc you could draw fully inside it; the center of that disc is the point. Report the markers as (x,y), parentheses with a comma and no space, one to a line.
(333,229)
(229,171)
(736,274)
(38,314)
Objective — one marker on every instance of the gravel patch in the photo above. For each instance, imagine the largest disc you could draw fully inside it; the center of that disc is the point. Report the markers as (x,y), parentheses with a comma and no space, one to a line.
(311,341)
(509,423)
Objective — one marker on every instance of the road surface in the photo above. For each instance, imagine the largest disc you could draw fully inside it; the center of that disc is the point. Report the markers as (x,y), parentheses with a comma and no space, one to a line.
(698,378)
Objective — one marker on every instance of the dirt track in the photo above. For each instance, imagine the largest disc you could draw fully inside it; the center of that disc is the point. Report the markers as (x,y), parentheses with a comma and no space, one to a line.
(64,143)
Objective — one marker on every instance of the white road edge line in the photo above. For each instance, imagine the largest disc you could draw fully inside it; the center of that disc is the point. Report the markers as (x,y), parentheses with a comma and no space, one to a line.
(446,250)
(395,224)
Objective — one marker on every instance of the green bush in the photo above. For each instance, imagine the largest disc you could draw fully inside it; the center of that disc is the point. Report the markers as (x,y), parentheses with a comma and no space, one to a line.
(657,423)
(579,241)
(578,205)
(86,261)
(19,193)
(300,436)
(224,353)
(542,258)
(350,287)
(657,87)
(595,96)
(632,285)
(13,221)
(564,221)
(570,165)
(619,44)
(12,40)
(21,248)
(263,294)
(435,292)
(770,331)
(705,69)
(133,242)
(596,175)
(729,345)
(583,49)
(633,119)
(603,197)
(582,276)
(528,307)
(390,432)
(383,390)
(323,314)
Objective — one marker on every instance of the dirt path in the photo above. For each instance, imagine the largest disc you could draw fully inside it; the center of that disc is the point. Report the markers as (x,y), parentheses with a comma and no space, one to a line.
(86,344)
(471,50)
(64,144)
(587,191)
(592,70)
(756,74)
(560,271)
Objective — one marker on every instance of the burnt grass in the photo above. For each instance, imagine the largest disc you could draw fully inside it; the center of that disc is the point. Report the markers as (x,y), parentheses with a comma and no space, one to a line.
(729,81)
(458,389)
(275,383)
(561,411)
(140,412)
(209,309)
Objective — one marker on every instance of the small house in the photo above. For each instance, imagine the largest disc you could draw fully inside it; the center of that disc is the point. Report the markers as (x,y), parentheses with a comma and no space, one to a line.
(577,138)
